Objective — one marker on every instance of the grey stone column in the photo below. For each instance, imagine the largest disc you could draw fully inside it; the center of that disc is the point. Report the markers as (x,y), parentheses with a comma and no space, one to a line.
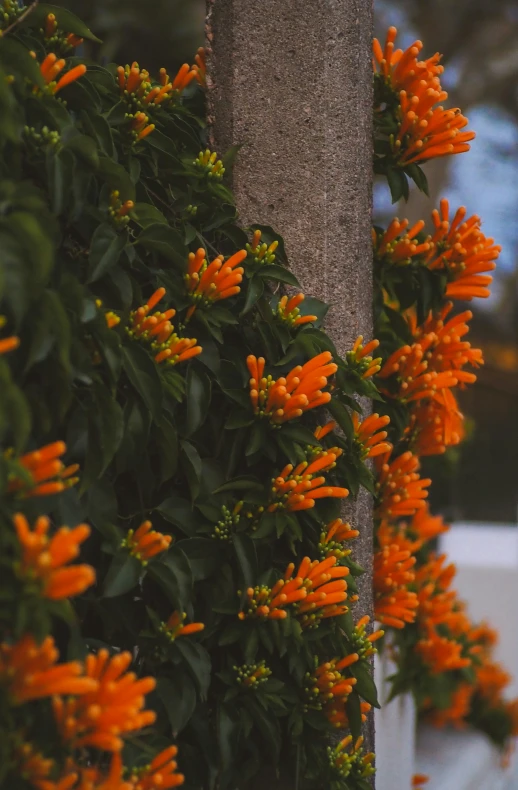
(291,80)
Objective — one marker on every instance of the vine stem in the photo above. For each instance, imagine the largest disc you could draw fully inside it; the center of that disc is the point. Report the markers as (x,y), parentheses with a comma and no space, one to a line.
(17,21)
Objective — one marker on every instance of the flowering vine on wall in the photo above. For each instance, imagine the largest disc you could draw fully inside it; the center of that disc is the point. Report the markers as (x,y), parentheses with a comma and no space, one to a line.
(198,431)
(423,274)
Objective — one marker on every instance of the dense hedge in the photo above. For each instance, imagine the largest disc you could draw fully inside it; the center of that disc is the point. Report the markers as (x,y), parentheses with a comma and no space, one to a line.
(202,492)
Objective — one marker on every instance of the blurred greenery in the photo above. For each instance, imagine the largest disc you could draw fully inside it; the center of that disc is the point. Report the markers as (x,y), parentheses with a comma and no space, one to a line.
(156,33)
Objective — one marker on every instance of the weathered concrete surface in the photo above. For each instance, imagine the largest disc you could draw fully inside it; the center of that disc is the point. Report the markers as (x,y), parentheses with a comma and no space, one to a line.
(291,81)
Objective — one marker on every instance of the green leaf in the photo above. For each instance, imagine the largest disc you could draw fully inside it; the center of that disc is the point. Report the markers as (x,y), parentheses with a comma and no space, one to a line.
(166,241)
(106,247)
(247,558)
(67,21)
(365,685)
(300,434)
(228,731)
(204,557)
(180,513)
(197,661)
(418,177)
(85,148)
(15,58)
(123,575)
(342,417)
(398,184)
(244,483)
(117,178)
(176,561)
(143,374)
(254,292)
(278,274)
(178,696)
(354,714)
(192,464)
(197,393)
(146,214)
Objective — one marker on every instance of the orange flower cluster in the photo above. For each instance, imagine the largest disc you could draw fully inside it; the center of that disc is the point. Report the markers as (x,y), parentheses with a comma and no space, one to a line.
(416,380)
(288,397)
(397,246)
(260,251)
(328,688)
(47,474)
(419,780)
(368,436)
(135,85)
(30,671)
(161,772)
(289,312)
(208,283)
(441,654)
(394,603)
(43,558)
(174,626)
(360,359)
(401,490)
(425,131)
(158,331)
(463,252)
(333,538)
(298,488)
(113,706)
(362,641)
(352,762)
(457,247)
(145,542)
(50,28)
(52,67)
(318,590)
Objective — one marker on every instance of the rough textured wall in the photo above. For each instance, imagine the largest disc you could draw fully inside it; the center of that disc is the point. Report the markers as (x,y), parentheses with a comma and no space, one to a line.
(291,81)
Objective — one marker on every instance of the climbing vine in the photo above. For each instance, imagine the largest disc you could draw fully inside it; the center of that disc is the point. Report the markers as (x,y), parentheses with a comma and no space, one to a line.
(176,441)
(423,274)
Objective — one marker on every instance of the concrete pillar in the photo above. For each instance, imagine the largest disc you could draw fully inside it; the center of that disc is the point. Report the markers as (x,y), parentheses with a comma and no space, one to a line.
(291,81)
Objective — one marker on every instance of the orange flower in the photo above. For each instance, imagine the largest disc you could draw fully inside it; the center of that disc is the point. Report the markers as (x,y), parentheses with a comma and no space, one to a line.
(297,489)
(397,247)
(112,708)
(401,489)
(328,687)
(51,67)
(158,331)
(200,61)
(363,642)
(393,572)
(436,424)
(260,251)
(161,772)
(333,537)
(396,608)
(425,131)
(174,626)
(455,714)
(30,671)
(318,590)
(43,558)
(8,343)
(413,375)
(447,350)
(401,70)
(208,283)
(368,437)
(492,679)
(353,762)
(463,252)
(418,780)
(42,466)
(33,767)
(425,526)
(145,542)
(289,397)
(288,311)
(323,430)
(360,360)
(441,654)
